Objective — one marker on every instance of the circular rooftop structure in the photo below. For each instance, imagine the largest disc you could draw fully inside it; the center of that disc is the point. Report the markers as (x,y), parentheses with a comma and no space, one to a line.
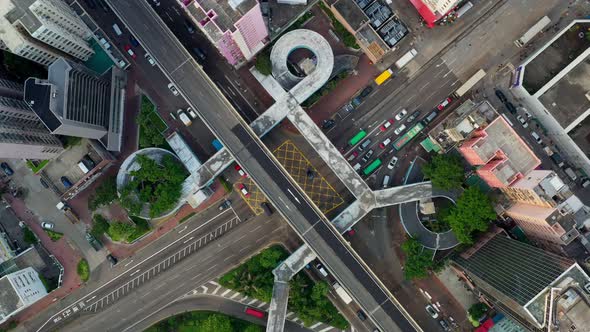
(311,41)
(131,164)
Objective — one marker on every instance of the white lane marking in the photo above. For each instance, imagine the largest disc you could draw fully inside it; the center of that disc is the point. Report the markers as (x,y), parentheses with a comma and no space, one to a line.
(182,230)
(287,206)
(292,194)
(136,271)
(131,261)
(188,240)
(224,293)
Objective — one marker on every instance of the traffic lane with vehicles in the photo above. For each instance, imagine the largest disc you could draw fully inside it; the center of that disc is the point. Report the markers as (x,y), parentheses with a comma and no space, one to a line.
(424,93)
(212,261)
(208,303)
(160,250)
(216,67)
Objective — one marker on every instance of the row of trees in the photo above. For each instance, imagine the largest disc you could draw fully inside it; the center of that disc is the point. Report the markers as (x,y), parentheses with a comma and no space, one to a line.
(254,278)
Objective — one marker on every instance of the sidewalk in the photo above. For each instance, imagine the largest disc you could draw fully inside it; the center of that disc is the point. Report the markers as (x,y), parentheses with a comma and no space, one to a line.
(62,250)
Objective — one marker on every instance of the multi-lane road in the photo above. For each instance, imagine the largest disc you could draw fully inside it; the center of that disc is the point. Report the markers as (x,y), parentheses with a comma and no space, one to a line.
(179,66)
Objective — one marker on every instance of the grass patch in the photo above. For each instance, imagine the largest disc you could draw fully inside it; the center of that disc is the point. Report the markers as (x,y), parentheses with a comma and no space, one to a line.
(187,217)
(53,235)
(83,270)
(204,321)
(142,227)
(327,88)
(346,37)
(226,185)
(28,236)
(36,166)
(254,278)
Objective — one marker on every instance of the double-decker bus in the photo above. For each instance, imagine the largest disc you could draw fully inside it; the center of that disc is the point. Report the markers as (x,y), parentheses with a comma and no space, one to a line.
(357,138)
(407,137)
(372,166)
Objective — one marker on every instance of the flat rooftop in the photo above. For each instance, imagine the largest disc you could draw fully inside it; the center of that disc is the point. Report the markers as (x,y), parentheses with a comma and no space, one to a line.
(569,44)
(567,100)
(224,13)
(501,137)
(351,13)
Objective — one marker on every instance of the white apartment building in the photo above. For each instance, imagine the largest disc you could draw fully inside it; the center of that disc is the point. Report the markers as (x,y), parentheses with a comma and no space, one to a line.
(19,290)
(40,30)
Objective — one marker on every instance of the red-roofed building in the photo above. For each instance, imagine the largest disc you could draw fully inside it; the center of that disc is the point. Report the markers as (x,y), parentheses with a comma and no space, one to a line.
(503,157)
(433,10)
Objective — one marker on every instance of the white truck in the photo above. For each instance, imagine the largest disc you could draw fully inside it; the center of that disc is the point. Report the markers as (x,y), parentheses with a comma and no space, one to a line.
(343,294)
(532,32)
(472,81)
(406,58)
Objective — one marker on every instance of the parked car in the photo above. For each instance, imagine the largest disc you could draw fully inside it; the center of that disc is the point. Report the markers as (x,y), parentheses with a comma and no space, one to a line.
(47,225)
(522,121)
(501,96)
(172,88)
(392,163)
(310,174)
(266,207)
(367,156)
(150,59)
(361,315)
(386,125)
(7,170)
(537,137)
(385,143)
(130,52)
(199,53)
(399,129)
(431,311)
(240,171)
(445,326)
(413,116)
(352,156)
(401,115)
(366,91)
(350,232)
(327,124)
(243,190)
(191,112)
(226,204)
(133,41)
(189,26)
(321,270)
(511,107)
(112,259)
(66,182)
(444,104)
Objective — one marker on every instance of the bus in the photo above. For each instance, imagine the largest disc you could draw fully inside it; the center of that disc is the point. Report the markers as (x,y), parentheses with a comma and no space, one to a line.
(407,137)
(470,83)
(357,138)
(384,76)
(254,312)
(372,167)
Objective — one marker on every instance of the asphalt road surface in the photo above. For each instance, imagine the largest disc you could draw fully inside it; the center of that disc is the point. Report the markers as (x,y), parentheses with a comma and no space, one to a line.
(250,153)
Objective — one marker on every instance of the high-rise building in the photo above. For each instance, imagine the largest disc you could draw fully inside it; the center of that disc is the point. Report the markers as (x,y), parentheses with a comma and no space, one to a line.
(235,27)
(537,288)
(22,134)
(75,101)
(19,290)
(43,30)
(502,154)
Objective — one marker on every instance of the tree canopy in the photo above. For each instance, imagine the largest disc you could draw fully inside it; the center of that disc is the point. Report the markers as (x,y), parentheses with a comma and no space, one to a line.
(105,194)
(473,212)
(418,259)
(477,310)
(445,171)
(215,323)
(158,184)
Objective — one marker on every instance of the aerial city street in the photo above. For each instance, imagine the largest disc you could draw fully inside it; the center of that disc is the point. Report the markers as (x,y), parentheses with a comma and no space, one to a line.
(294,165)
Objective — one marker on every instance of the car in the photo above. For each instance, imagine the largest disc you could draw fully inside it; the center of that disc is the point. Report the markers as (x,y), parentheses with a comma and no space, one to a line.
(66,182)
(501,96)
(399,129)
(149,59)
(327,124)
(88,161)
(361,315)
(44,183)
(199,53)
(392,163)
(511,107)
(321,270)
(350,232)
(240,171)
(112,259)
(189,26)
(444,104)
(386,125)
(172,88)
(528,115)
(537,138)
(224,205)
(47,225)
(431,311)
(310,174)
(445,326)
(366,91)
(522,121)
(385,143)
(104,43)
(243,190)
(413,116)
(401,115)
(367,156)
(255,313)
(130,52)
(7,170)
(191,112)
(353,155)
(133,41)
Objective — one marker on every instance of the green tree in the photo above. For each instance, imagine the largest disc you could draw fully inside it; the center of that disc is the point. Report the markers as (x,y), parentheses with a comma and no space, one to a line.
(105,193)
(473,212)
(418,259)
(83,270)
(253,328)
(215,323)
(21,69)
(149,133)
(99,226)
(445,171)
(263,64)
(119,231)
(477,310)
(28,236)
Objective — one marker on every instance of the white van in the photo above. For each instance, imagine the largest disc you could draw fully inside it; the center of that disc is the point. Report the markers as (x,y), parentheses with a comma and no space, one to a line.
(117,29)
(83,167)
(386,179)
(571,174)
(357,167)
(364,145)
(536,137)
